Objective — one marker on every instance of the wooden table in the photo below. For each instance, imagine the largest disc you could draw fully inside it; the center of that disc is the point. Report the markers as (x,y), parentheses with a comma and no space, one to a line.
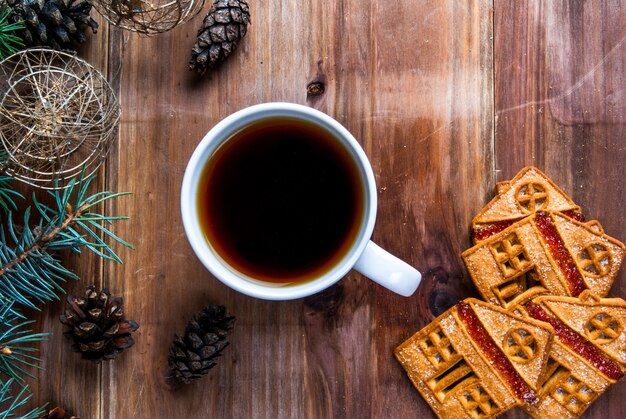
(447,98)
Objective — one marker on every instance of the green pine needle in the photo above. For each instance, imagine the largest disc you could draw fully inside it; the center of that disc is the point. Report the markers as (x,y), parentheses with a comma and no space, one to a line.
(7,193)
(9,404)
(30,271)
(9,41)
(13,336)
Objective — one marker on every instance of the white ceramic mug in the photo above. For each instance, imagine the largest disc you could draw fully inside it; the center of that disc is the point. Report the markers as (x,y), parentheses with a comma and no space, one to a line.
(364,255)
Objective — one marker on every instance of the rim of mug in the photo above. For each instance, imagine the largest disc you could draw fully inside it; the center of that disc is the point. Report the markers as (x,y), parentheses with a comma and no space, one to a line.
(216,136)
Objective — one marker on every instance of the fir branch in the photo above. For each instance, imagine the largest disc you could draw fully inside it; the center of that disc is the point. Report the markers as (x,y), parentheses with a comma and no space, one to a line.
(9,41)
(7,193)
(43,241)
(30,271)
(9,404)
(13,336)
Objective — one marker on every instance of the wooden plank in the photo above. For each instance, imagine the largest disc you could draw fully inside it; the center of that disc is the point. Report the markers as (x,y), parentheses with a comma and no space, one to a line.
(329,355)
(426,124)
(559,81)
(67,380)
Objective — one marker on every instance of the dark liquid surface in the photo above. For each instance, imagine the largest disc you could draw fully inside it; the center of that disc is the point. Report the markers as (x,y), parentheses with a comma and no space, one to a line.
(281,201)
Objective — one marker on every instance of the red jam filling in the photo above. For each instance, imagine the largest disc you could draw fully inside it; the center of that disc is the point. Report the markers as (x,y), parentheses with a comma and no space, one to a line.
(494,354)
(574,215)
(488,230)
(577,343)
(559,252)
(485,231)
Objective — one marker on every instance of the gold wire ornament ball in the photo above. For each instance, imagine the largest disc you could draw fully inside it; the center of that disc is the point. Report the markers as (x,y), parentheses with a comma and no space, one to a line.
(58,116)
(148,17)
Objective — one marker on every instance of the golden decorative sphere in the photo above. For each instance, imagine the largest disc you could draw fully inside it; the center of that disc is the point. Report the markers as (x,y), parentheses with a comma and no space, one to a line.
(58,116)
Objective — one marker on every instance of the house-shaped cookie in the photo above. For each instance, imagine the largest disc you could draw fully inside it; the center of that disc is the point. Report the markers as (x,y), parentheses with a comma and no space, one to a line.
(477,360)
(546,252)
(588,354)
(529,191)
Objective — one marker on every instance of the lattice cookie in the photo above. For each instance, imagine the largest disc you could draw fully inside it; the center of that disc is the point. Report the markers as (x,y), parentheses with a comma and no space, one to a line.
(529,191)
(588,354)
(477,360)
(546,252)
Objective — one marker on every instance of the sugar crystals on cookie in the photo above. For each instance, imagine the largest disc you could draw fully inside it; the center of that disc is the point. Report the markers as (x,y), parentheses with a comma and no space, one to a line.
(477,360)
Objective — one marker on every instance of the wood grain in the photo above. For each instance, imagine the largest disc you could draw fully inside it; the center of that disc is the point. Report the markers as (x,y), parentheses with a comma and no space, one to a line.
(323,355)
(559,97)
(447,98)
(66,380)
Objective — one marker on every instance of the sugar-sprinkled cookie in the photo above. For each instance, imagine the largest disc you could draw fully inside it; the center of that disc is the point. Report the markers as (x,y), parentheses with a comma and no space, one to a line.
(528,192)
(477,360)
(544,253)
(588,354)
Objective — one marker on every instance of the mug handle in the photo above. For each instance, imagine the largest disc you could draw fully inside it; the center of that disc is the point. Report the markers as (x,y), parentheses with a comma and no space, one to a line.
(387,270)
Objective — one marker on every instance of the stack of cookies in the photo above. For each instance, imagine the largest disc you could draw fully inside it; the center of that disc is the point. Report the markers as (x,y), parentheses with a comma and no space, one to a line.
(545,338)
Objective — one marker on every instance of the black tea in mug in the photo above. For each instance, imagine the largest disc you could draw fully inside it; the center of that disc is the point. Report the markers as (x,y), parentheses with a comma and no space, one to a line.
(281,200)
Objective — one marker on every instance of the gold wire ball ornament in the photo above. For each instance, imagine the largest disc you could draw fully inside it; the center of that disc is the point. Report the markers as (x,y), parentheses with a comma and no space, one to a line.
(148,16)
(58,116)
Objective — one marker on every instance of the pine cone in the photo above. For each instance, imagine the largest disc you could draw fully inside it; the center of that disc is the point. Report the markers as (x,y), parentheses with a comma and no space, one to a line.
(222,28)
(57,413)
(97,325)
(58,24)
(195,353)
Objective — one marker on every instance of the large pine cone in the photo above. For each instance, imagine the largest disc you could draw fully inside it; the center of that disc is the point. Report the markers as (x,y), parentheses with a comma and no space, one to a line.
(97,325)
(195,353)
(58,24)
(222,28)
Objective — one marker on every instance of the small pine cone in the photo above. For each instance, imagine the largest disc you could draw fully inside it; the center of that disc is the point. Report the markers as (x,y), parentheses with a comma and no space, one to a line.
(97,326)
(58,413)
(59,24)
(222,28)
(196,352)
